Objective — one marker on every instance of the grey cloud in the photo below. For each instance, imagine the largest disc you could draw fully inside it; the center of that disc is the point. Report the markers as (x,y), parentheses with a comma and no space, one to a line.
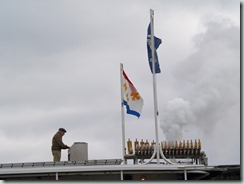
(59,67)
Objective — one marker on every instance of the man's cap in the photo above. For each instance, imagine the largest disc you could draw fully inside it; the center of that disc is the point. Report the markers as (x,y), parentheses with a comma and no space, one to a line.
(62,130)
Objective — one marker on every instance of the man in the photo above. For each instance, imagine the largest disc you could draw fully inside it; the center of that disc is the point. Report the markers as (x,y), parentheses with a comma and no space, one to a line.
(57,144)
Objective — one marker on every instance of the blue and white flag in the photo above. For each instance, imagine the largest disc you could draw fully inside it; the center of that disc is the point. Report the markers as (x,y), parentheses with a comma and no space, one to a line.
(157,42)
(131,99)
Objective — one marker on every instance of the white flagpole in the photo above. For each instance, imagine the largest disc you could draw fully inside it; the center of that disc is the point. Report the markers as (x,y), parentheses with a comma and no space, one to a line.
(154,82)
(122,114)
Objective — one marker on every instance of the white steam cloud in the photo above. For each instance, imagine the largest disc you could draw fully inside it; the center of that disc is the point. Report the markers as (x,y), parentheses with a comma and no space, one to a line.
(209,88)
(178,116)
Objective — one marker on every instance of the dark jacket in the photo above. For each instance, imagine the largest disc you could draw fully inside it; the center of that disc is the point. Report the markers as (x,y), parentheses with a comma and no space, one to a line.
(57,143)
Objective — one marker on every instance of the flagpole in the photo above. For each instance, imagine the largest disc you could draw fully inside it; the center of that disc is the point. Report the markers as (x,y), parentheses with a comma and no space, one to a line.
(122,114)
(154,82)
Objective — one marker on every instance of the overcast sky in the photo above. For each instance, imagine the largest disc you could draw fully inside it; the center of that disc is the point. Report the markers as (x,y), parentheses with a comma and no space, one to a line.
(59,67)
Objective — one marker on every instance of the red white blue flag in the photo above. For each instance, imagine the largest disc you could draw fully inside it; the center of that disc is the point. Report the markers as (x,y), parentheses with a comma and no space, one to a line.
(131,99)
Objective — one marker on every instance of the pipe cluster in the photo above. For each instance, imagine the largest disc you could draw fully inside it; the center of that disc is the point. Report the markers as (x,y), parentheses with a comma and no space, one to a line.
(169,148)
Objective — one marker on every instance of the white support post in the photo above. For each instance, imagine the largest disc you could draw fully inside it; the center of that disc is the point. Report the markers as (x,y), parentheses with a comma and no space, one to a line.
(121,175)
(122,115)
(185,174)
(154,83)
(56,176)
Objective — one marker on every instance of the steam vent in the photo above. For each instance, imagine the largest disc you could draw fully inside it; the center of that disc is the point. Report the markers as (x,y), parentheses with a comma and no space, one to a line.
(185,151)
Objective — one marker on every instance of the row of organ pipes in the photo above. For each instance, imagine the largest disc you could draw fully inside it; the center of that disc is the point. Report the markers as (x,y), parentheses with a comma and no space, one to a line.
(170,148)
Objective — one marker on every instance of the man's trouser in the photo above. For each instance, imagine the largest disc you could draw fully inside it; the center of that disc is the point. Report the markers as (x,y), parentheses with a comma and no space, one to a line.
(56,155)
